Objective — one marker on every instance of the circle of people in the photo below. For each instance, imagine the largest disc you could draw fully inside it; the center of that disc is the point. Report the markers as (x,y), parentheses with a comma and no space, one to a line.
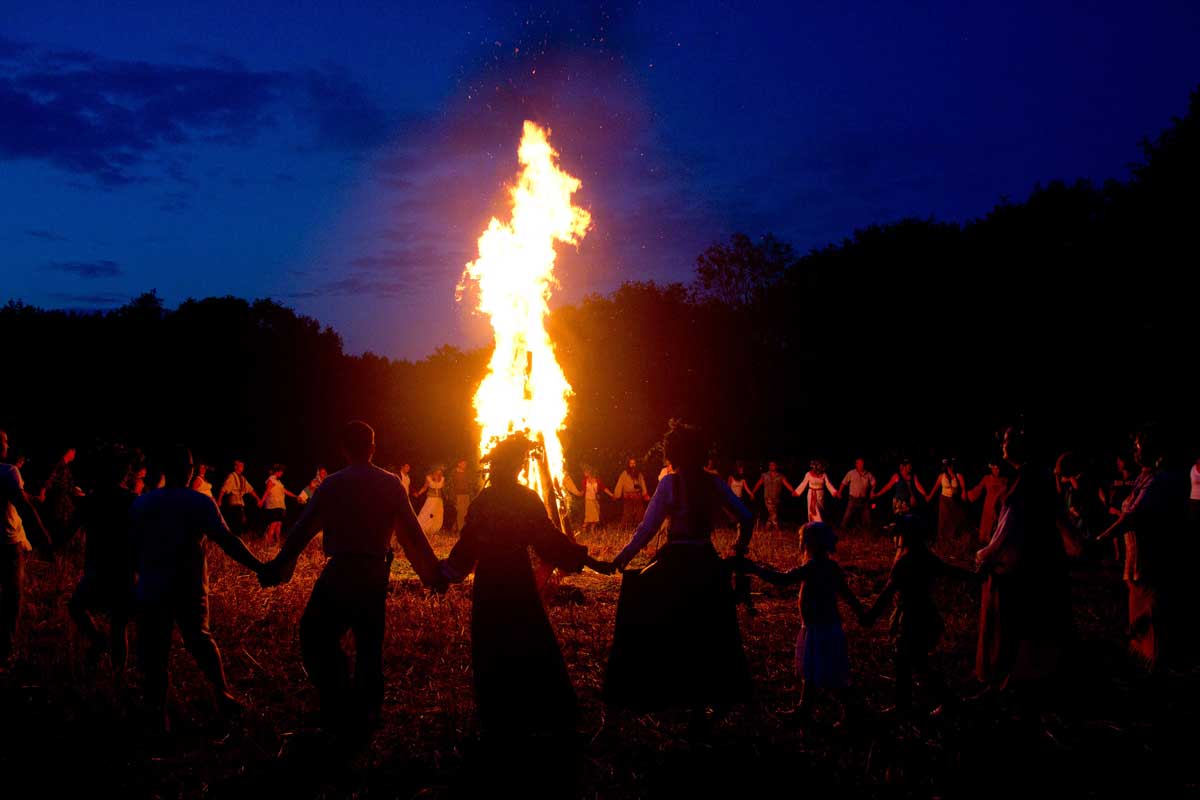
(145,560)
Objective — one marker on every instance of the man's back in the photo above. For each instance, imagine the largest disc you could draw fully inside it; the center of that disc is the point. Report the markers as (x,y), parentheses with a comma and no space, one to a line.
(168,527)
(357,508)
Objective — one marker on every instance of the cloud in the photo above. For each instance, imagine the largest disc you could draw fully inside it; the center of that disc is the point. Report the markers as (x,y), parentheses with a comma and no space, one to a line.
(90,270)
(91,301)
(45,235)
(110,119)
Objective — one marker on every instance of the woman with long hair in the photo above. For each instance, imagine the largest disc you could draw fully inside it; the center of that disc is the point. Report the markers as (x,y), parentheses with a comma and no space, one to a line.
(677,616)
(953,490)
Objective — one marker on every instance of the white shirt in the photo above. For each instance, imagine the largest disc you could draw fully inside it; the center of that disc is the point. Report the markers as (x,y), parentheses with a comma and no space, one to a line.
(235,489)
(10,485)
(273,495)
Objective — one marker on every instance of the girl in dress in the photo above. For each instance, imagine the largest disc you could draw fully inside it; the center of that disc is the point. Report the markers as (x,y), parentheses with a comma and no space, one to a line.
(432,510)
(817,483)
(592,488)
(200,483)
(739,484)
(950,510)
(822,660)
(274,504)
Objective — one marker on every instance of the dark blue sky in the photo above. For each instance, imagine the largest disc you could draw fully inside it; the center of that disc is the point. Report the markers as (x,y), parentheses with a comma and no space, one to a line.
(344,160)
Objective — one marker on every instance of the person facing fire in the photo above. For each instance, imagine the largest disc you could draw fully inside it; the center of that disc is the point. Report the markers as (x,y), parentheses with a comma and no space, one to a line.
(359,509)
(631,488)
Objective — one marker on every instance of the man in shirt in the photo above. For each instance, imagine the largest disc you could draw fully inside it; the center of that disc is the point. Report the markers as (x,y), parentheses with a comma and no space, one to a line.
(232,499)
(168,527)
(858,508)
(631,488)
(19,517)
(461,487)
(773,482)
(359,509)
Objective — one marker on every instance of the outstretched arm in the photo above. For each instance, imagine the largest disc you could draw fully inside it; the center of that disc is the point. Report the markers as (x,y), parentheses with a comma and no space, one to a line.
(850,598)
(234,547)
(881,602)
(31,520)
(656,512)
(308,526)
(416,547)
(887,487)
(774,576)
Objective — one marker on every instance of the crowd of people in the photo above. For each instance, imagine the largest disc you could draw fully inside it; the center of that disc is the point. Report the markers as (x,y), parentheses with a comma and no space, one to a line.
(144,561)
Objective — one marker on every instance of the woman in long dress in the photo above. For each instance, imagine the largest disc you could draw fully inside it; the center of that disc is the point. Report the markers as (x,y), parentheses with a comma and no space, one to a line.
(991,488)
(817,483)
(1153,522)
(676,643)
(521,682)
(953,489)
(1025,611)
(432,510)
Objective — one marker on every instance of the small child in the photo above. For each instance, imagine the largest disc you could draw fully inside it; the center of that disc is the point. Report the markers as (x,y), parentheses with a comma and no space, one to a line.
(822,660)
(916,623)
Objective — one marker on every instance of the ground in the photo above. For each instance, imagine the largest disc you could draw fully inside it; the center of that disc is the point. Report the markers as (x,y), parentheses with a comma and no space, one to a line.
(1106,727)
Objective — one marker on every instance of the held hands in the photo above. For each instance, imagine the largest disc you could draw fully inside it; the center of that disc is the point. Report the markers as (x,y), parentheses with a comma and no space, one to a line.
(602,567)
(275,572)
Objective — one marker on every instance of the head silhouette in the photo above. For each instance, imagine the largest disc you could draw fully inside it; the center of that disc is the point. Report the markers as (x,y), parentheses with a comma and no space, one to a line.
(177,466)
(358,441)
(508,458)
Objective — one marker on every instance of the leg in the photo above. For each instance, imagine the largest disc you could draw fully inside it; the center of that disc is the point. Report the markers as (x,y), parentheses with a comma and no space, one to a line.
(321,630)
(12,579)
(368,622)
(192,614)
(155,625)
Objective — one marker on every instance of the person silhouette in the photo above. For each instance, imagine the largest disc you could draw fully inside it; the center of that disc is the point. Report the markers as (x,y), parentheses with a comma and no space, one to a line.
(521,682)
(167,529)
(359,509)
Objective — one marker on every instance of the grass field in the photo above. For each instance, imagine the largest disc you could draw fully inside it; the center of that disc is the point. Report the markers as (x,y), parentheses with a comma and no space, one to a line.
(65,732)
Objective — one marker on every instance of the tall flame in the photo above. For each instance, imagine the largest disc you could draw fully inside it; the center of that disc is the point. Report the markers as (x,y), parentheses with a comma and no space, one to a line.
(525,389)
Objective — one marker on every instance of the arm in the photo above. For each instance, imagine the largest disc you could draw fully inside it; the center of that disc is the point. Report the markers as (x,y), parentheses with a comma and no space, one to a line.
(788,485)
(774,576)
(850,598)
(308,526)
(886,488)
(218,531)
(881,602)
(413,542)
(755,489)
(829,486)
(31,520)
(656,512)
(979,489)
(927,495)
(799,490)
(744,517)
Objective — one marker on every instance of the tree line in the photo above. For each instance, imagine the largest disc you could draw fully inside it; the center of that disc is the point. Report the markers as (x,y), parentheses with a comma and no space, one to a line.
(1074,309)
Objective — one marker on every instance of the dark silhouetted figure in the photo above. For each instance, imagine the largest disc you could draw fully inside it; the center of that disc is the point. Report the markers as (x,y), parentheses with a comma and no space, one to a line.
(1154,524)
(359,509)
(1025,611)
(109,564)
(676,618)
(822,657)
(59,496)
(521,683)
(19,518)
(168,527)
(916,624)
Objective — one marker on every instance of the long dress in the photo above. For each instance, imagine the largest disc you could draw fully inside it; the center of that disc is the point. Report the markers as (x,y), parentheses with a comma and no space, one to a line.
(1025,611)
(992,487)
(433,508)
(950,511)
(1156,513)
(676,642)
(521,681)
(591,501)
(817,486)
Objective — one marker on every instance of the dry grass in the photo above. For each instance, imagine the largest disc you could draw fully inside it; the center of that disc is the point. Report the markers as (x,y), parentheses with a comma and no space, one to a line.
(70,732)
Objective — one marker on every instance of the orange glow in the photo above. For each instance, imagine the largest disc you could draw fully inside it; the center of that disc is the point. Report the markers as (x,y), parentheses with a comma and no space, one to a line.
(525,389)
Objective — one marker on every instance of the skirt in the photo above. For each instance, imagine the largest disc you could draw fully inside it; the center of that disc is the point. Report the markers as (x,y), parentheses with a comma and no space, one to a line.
(822,658)
(950,518)
(273,515)
(431,515)
(676,643)
(591,511)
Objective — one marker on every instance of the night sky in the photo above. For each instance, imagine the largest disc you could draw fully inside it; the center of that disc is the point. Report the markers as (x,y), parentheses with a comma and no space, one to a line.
(345,161)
